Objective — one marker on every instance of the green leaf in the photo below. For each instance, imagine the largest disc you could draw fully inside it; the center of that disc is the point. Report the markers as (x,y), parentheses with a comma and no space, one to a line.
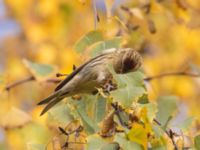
(130,87)
(167,106)
(98,47)
(111,146)
(88,39)
(32,146)
(127,95)
(122,118)
(95,106)
(126,144)
(89,125)
(143,99)
(159,148)
(130,79)
(197,142)
(95,142)
(39,71)
(100,108)
(158,131)
(61,114)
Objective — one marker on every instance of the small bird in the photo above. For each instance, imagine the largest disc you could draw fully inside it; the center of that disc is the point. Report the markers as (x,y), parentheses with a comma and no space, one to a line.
(94,74)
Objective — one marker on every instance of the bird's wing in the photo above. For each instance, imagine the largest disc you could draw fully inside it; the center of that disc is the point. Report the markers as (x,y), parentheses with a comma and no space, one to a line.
(75,72)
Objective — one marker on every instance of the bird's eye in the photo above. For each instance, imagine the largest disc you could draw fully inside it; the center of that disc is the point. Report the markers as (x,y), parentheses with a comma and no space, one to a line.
(128,65)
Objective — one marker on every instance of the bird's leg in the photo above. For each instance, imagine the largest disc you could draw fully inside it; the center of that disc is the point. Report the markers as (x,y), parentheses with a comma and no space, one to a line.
(109,86)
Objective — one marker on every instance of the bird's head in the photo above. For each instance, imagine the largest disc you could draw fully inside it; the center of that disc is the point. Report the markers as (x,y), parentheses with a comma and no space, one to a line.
(126,60)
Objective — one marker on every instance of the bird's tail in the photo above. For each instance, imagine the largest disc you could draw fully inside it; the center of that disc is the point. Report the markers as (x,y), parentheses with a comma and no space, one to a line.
(51,104)
(52,100)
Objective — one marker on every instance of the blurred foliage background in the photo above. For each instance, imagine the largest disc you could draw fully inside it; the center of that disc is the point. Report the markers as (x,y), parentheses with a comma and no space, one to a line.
(166,32)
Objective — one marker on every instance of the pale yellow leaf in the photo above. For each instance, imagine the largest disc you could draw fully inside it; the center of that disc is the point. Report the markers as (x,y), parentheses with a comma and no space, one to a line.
(14,118)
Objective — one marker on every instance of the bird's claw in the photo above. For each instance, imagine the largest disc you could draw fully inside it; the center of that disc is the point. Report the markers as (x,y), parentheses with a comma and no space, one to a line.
(109,86)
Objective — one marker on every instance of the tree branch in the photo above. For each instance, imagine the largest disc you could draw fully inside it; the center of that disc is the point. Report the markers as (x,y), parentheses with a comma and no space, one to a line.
(53,80)
(171,74)
(19,82)
(28,79)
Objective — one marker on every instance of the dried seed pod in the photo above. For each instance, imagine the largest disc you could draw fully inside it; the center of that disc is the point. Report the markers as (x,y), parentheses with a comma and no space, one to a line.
(108,124)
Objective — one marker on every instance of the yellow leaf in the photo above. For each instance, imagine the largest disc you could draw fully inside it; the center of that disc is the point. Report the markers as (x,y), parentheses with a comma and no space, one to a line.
(145,119)
(138,134)
(14,118)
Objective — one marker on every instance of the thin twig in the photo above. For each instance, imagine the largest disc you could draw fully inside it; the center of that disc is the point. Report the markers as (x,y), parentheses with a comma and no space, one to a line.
(53,80)
(169,133)
(19,82)
(96,17)
(172,74)
(77,130)
(28,79)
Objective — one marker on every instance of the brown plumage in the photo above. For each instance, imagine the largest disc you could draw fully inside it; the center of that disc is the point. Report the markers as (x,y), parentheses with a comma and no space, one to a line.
(94,74)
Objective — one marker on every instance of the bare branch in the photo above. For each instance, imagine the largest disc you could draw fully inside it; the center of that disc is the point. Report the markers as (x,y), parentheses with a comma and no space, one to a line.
(28,79)
(171,74)
(53,80)
(19,82)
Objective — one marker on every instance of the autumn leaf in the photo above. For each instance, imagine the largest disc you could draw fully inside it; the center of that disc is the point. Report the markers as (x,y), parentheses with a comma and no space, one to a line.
(126,144)
(87,40)
(15,118)
(39,71)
